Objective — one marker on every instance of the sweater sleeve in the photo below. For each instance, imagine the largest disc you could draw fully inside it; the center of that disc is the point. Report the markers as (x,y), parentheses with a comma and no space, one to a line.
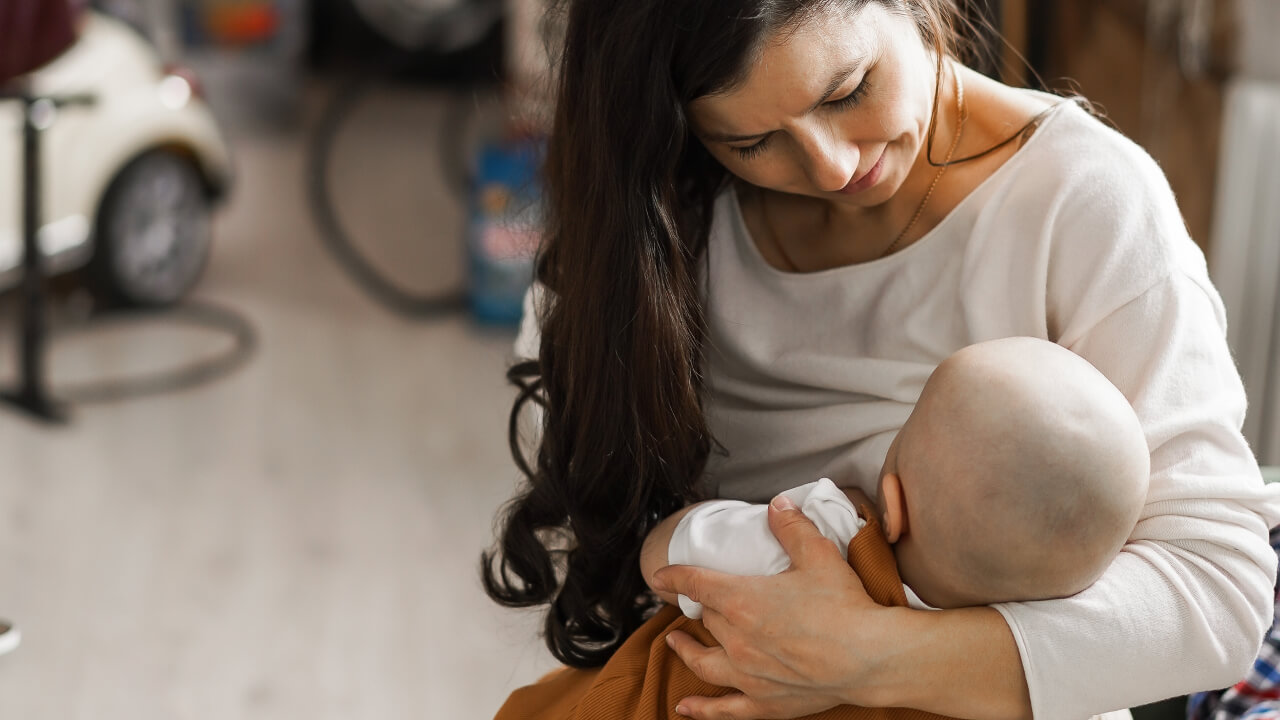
(529,336)
(1186,603)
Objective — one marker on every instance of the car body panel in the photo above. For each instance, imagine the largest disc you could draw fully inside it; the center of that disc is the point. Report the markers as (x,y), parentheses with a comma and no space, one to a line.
(138,107)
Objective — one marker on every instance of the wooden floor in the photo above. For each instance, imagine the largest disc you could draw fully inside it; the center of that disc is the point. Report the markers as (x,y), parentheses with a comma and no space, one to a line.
(298,541)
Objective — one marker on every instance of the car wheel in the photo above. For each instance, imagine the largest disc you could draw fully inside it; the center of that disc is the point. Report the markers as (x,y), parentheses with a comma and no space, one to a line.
(153,233)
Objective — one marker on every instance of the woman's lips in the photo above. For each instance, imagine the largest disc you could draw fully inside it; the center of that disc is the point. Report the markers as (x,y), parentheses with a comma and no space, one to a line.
(867,180)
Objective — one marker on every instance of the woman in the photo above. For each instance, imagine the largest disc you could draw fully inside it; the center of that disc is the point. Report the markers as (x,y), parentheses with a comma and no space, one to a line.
(768,221)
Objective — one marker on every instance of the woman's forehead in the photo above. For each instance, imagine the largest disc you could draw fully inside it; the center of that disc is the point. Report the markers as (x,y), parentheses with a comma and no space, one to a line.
(794,68)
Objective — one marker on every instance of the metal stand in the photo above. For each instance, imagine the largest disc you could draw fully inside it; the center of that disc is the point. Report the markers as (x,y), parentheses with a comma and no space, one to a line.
(32,394)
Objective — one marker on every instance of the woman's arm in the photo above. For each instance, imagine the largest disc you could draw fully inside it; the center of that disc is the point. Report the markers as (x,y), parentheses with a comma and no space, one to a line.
(1185,605)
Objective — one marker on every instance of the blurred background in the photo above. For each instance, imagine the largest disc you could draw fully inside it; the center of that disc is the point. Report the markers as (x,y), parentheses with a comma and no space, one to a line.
(255,421)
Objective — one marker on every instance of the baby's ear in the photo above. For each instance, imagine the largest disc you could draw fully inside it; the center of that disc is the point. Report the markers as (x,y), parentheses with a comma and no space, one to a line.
(893,507)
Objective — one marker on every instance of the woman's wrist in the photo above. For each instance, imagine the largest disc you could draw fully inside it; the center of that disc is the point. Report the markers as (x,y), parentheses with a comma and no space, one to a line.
(969,656)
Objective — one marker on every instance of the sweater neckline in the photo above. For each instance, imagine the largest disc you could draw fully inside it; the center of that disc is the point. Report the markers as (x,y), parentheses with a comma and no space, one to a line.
(742,235)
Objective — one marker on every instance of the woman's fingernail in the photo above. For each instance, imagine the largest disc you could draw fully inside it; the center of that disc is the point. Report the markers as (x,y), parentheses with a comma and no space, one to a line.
(671,643)
(682,710)
(782,502)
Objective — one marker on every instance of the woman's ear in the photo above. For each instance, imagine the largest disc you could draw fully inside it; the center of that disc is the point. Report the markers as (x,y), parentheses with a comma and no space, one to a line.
(894,510)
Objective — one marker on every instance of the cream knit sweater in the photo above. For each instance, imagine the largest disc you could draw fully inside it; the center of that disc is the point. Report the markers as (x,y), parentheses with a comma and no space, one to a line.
(1076,239)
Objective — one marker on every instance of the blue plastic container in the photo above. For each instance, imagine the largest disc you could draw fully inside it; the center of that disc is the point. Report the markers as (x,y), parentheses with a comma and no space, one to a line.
(505,229)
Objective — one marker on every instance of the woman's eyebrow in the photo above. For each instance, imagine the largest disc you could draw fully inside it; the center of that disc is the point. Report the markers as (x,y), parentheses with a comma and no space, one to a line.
(836,81)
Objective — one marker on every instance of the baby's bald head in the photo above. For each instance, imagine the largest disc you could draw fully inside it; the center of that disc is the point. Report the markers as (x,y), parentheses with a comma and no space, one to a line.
(1024,470)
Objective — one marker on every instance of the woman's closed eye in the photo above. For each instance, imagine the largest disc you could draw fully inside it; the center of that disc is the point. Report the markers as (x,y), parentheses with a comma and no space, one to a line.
(852,99)
(844,103)
(746,153)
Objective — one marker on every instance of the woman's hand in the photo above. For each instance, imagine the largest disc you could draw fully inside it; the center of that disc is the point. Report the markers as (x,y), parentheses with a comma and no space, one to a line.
(795,643)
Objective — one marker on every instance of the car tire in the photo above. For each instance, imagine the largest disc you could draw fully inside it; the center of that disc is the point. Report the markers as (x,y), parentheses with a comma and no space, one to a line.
(153,232)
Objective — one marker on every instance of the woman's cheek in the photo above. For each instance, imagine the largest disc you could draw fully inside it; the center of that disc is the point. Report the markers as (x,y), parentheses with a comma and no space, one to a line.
(761,173)
(782,172)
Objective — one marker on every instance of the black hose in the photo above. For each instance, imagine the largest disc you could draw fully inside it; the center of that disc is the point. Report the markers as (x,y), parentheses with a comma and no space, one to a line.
(198,314)
(337,240)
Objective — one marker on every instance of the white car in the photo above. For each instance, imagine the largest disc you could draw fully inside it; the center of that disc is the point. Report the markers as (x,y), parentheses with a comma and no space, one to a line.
(129,182)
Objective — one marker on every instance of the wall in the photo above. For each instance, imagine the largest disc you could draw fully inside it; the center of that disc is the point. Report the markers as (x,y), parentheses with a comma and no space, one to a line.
(1159,76)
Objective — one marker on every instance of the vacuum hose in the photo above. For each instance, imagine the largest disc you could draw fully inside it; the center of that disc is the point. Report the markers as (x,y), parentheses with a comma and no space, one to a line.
(336,239)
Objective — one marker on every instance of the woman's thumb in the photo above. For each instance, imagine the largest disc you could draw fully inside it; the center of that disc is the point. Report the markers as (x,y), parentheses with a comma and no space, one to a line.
(797,534)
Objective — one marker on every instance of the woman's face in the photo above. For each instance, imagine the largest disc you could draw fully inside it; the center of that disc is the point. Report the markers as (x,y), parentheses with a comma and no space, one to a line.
(837,109)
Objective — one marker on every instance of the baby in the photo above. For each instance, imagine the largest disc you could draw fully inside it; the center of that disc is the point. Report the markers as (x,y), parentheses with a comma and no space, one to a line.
(1018,476)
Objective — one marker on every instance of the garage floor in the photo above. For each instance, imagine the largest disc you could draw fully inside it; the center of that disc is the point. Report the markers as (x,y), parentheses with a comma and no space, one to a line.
(299,540)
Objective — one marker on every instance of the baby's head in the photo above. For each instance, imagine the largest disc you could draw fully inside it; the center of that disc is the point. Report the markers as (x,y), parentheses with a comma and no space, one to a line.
(1018,476)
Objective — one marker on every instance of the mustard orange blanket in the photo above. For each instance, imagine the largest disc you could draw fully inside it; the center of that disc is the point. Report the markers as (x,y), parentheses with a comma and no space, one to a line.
(645,679)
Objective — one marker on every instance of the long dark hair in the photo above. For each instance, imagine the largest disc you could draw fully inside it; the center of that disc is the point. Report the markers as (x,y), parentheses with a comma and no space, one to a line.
(629,196)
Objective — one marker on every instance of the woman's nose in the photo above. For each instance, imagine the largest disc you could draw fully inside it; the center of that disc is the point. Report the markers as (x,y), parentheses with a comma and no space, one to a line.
(831,163)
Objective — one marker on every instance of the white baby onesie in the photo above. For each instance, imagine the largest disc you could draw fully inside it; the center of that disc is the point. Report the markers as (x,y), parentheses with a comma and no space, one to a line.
(733,536)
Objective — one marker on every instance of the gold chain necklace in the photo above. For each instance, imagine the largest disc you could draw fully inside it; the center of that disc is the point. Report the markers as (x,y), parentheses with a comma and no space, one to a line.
(955,141)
